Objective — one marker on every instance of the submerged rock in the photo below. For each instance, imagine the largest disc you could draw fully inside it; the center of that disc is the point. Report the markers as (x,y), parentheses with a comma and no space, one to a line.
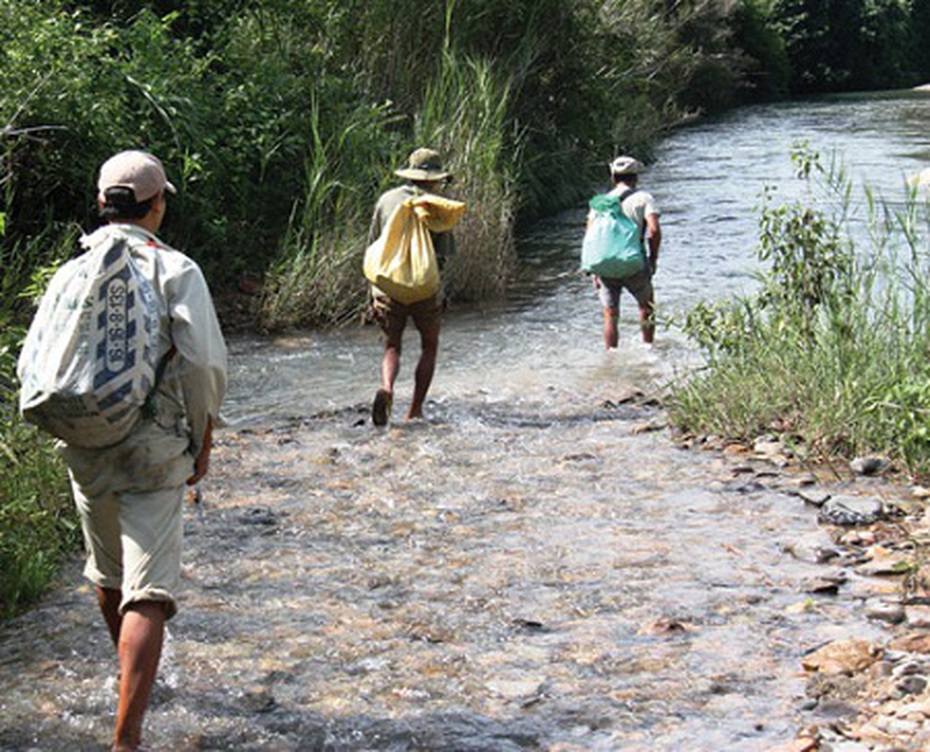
(845,657)
(879,610)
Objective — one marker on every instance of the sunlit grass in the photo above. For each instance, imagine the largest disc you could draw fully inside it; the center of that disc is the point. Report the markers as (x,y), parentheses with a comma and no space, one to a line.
(38,525)
(832,352)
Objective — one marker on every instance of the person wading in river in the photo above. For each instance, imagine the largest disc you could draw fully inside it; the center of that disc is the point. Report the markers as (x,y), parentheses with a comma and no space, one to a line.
(425,175)
(639,206)
(129,495)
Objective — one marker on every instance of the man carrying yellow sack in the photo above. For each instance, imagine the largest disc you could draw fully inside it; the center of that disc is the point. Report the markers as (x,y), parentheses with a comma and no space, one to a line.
(409,240)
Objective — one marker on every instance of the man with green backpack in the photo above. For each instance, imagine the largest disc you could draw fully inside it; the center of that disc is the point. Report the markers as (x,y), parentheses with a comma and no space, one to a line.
(621,248)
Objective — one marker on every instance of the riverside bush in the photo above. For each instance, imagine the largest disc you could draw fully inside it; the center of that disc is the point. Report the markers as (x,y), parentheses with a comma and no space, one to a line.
(831,352)
(38,526)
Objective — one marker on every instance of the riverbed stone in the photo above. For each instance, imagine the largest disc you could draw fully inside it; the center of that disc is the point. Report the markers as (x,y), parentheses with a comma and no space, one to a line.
(846,746)
(915,642)
(851,510)
(912,685)
(846,657)
(869,465)
(814,498)
(882,563)
(826,584)
(804,481)
(648,427)
(880,610)
(837,709)
(919,707)
(796,745)
(909,666)
(918,617)
(771,450)
(515,688)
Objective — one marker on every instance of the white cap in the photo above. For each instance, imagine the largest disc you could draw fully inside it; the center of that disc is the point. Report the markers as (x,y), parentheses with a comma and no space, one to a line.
(626,166)
(138,170)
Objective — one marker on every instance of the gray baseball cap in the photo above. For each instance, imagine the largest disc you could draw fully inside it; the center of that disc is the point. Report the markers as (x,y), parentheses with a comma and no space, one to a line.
(138,170)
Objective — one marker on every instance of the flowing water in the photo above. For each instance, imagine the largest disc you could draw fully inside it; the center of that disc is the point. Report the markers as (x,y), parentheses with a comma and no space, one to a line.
(537,566)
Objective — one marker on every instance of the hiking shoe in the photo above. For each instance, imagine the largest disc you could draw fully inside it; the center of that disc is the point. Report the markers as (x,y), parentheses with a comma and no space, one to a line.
(381,408)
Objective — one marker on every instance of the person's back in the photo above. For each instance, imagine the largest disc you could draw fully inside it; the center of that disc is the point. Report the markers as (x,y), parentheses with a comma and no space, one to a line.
(129,495)
(426,176)
(640,206)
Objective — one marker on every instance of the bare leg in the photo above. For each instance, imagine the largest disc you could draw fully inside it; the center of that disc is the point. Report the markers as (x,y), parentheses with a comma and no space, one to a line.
(647,322)
(426,367)
(611,333)
(140,642)
(390,365)
(109,600)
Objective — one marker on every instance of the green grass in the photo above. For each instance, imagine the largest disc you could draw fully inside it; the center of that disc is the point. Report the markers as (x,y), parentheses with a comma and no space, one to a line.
(832,352)
(38,524)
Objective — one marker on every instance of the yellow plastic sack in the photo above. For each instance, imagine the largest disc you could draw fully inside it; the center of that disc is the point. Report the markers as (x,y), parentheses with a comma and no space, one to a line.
(439,213)
(402,262)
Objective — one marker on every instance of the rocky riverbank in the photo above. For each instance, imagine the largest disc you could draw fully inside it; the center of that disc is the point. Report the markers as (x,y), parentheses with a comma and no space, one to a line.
(863,695)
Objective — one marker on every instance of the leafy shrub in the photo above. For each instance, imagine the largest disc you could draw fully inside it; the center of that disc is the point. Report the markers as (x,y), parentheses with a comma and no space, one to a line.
(832,348)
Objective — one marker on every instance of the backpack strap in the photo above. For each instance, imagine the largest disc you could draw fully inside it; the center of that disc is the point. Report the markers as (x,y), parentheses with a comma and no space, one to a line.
(149,408)
(626,194)
(642,233)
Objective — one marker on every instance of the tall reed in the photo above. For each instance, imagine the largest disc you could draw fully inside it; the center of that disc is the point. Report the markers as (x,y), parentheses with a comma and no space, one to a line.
(465,116)
(318,278)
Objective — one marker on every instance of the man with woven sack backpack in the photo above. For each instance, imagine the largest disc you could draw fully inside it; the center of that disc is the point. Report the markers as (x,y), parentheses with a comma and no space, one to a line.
(126,364)
(603,234)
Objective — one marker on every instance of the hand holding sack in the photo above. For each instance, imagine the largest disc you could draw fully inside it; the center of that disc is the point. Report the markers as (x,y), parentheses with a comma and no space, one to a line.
(402,262)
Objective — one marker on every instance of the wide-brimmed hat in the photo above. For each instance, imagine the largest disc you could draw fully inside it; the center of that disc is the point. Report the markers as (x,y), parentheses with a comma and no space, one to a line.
(138,170)
(424,164)
(626,166)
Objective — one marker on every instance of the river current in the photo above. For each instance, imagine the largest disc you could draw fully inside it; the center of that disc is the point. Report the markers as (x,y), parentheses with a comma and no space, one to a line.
(537,566)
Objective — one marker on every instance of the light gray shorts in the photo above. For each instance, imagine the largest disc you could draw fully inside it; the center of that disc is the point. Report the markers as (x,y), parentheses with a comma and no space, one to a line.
(129,498)
(639,285)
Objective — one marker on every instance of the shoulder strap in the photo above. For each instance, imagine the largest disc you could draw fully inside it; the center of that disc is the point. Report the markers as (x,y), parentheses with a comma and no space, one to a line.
(626,194)
(149,409)
(642,232)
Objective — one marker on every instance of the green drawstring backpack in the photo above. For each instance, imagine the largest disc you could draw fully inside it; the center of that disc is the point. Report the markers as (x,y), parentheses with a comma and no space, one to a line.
(613,244)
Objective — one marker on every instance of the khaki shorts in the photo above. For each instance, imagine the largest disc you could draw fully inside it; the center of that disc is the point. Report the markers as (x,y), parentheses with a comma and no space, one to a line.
(129,499)
(639,285)
(392,316)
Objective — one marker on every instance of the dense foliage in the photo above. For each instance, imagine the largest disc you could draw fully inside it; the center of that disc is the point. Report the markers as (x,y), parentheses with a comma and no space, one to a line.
(281,119)
(853,45)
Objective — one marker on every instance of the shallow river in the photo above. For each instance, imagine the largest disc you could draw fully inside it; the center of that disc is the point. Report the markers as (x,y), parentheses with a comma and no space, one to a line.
(537,566)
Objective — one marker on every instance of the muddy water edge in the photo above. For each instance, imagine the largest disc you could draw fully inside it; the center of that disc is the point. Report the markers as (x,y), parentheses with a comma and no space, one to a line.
(540,566)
